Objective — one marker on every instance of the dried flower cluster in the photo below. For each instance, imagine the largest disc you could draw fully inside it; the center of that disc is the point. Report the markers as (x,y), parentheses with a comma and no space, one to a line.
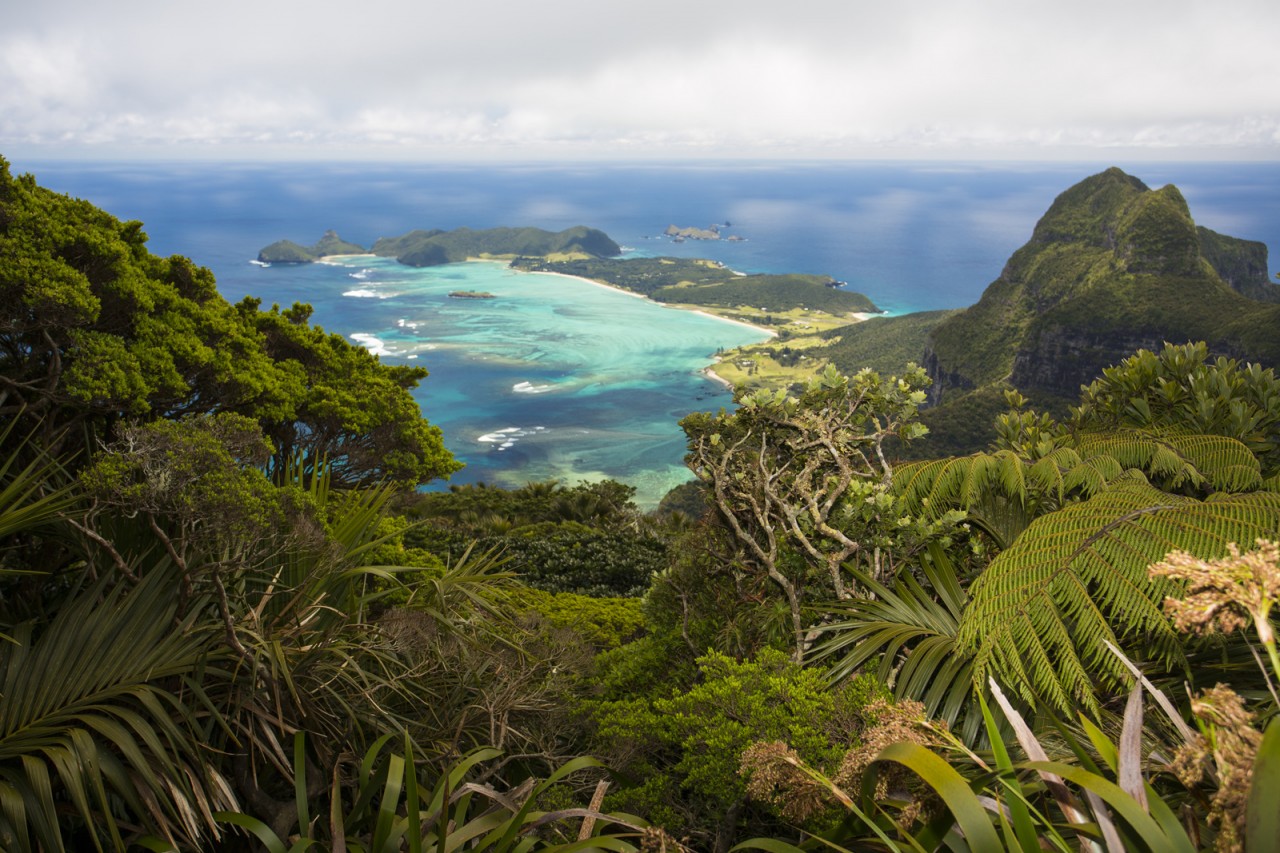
(904,721)
(656,840)
(776,775)
(1229,747)
(1226,594)
(901,722)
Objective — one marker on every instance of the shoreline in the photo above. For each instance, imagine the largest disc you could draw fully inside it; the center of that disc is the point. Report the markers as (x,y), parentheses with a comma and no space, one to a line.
(772,333)
(700,310)
(763,329)
(333,259)
(710,373)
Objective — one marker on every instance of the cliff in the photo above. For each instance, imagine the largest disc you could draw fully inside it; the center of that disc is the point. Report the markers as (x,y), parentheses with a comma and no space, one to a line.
(1111,267)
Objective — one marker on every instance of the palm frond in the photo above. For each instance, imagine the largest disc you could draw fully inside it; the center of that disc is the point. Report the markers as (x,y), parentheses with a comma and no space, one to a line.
(30,494)
(908,633)
(89,715)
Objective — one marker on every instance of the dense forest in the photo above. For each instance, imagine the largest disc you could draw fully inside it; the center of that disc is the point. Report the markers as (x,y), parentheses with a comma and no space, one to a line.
(231,621)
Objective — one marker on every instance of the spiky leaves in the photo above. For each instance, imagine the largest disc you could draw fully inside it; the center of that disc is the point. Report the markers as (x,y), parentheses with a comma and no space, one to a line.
(1042,613)
(98,712)
(910,628)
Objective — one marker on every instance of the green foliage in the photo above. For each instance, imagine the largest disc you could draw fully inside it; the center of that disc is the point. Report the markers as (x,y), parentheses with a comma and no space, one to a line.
(804,483)
(430,248)
(688,500)
(1044,610)
(604,623)
(1098,799)
(201,472)
(1241,263)
(562,558)
(479,508)
(1182,390)
(289,252)
(587,539)
(347,408)
(100,716)
(690,744)
(771,293)
(385,803)
(106,329)
(697,282)
(1111,266)
(907,632)
(108,332)
(884,344)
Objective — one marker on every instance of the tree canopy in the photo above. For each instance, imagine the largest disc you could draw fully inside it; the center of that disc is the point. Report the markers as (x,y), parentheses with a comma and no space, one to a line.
(99,330)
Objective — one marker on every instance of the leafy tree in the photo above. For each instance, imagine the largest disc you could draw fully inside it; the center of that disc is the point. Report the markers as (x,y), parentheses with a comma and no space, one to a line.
(347,408)
(1180,390)
(100,331)
(804,483)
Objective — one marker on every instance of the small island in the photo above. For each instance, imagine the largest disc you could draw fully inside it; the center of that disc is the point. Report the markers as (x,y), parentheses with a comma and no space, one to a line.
(289,252)
(471,294)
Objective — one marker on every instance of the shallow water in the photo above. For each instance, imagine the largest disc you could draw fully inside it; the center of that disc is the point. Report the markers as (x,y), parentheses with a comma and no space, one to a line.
(553,378)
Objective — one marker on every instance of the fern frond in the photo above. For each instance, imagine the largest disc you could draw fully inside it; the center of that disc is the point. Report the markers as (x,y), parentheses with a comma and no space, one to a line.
(1179,459)
(1043,611)
(1090,476)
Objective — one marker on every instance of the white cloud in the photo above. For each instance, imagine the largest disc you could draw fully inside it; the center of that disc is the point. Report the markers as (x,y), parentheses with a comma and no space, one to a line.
(659,78)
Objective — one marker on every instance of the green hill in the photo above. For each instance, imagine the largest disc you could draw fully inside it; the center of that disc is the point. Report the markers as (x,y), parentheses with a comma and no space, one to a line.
(432,248)
(884,344)
(1113,266)
(702,282)
(289,252)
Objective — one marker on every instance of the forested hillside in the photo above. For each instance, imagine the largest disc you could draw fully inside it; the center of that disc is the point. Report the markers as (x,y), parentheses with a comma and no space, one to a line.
(1112,266)
(232,622)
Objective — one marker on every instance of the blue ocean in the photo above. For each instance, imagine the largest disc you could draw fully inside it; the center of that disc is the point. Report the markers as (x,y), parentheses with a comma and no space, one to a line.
(558,378)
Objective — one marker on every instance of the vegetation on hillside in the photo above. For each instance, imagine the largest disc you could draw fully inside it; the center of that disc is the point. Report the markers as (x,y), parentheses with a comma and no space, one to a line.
(230,621)
(1111,267)
(431,248)
(289,252)
(699,282)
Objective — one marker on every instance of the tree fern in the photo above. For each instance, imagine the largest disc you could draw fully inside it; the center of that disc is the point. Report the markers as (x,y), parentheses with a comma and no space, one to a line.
(1180,460)
(1004,491)
(1042,612)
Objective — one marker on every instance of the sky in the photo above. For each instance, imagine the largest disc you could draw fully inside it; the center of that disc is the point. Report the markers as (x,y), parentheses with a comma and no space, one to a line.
(617,79)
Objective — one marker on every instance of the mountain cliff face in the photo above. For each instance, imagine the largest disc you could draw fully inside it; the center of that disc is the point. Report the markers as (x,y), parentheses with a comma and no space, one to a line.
(1113,266)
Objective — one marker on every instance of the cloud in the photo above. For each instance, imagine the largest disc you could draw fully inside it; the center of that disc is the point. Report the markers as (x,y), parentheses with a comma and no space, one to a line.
(662,78)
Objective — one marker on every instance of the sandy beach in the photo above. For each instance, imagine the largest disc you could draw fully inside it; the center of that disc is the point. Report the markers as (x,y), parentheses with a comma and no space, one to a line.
(710,373)
(335,259)
(762,329)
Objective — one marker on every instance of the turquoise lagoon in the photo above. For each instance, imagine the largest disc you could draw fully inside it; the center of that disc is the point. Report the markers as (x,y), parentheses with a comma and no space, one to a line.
(553,378)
